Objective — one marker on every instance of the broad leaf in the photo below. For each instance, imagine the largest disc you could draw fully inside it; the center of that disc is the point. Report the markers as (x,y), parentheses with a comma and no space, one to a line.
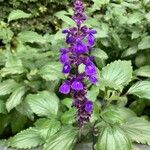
(113,138)
(16,98)
(143,71)
(17,14)
(51,72)
(31,37)
(113,114)
(140,89)
(138,129)
(63,140)
(7,86)
(117,74)
(26,139)
(44,103)
(145,43)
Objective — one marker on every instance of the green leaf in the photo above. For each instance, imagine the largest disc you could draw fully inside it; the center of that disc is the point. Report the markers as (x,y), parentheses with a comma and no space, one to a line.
(31,37)
(143,71)
(26,139)
(18,125)
(138,129)
(16,98)
(51,72)
(44,103)
(93,93)
(13,66)
(17,14)
(140,89)
(113,114)
(117,74)
(7,86)
(99,53)
(68,117)
(47,127)
(145,43)
(67,102)
(113,138)
(130,51)
(2,107)
(63,140)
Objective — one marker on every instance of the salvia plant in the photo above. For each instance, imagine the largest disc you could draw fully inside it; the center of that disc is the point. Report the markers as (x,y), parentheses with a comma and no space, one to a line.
(88,92)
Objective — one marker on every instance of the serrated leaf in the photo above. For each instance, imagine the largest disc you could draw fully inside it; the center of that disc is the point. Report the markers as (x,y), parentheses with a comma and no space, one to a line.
(144,43)
(140,89)
(31,37)
(113,138)
(44,103)
(117,74)
(143,71)
(18,14)
(16,98)
(138,129)
(51,72)
(47,127)
(113,114)
(26,139)
(99,53)
(65,139)
(7,86)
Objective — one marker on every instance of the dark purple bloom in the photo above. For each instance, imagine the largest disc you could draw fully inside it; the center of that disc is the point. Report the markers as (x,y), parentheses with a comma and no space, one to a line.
(91,40)
(80,48)
(77,85)
(64,58)
(88,106)
(65,88)
(66,68)
(93,79)
(90,70)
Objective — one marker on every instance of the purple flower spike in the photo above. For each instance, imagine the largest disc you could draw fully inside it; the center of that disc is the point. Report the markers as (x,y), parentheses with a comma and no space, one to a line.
(89,106)
(65,88)
(80,40)
(66,68)
(77,85)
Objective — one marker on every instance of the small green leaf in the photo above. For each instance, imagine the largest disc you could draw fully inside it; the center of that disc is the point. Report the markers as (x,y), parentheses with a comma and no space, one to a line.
(113,138)
(81,68)
(2,107)
(130,51)
(67,102)
(143,71)
(51,72)
(145,43)
(16,98)
(68,117)
(7,86)
(26,139)
(140,89)
(31,37)
(117,74)
(17,14)
(63,140)
(44,103)
(99,53)
(138,129)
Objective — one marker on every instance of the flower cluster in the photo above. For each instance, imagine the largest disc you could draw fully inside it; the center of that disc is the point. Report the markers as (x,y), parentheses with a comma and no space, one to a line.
(80,40)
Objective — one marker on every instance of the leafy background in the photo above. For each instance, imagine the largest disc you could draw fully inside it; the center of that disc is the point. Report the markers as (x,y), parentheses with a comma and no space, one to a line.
(30,74)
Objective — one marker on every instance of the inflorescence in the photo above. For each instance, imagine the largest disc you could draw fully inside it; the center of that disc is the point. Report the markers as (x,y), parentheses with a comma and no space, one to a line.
(80,40)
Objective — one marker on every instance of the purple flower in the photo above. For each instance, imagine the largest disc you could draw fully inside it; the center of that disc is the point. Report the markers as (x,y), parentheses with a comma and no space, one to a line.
(80,48)
(91,40)
(65,88)
(66,68)
(93,79)
(77,85)
(64,58)
(88,106)
(90,70)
